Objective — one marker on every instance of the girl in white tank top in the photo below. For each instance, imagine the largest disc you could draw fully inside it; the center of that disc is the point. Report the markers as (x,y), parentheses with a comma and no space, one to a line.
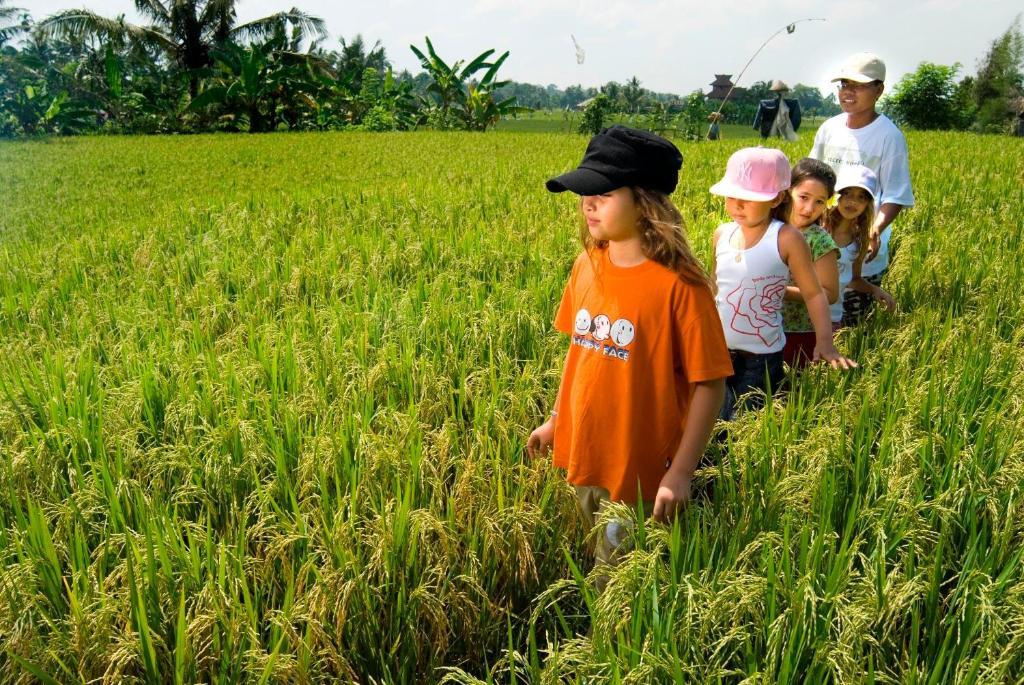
(751,284)
(754,258)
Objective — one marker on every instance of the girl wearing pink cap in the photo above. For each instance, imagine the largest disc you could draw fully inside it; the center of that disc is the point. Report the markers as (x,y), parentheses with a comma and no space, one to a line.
(754,258)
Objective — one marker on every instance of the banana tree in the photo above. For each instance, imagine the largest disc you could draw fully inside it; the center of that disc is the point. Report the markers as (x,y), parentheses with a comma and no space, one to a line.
(41,91)
(262,83)
(480,111)
(333,96)
(37,108)
(395,100)
(242,87)
(122,105)
(448,83)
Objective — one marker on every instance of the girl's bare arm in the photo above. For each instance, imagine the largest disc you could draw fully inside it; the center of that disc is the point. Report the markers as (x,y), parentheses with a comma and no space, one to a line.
(883,296)
(674,490)
(542,438)
(714,263)
(826,268)
(795,252)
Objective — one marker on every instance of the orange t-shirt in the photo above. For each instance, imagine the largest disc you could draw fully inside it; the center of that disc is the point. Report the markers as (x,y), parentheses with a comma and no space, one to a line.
(640,339)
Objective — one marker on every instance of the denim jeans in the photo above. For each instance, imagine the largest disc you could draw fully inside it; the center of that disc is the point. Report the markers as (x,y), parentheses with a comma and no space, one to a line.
(755,378)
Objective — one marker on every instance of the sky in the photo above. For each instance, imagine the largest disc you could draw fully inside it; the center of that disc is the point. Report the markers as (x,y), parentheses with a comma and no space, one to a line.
(671,46)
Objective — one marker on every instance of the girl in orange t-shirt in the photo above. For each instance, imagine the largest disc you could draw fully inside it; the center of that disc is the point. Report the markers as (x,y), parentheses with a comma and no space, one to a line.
(644,376)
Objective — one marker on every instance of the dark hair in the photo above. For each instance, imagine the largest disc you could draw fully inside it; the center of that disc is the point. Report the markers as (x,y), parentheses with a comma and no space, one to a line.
(804,169)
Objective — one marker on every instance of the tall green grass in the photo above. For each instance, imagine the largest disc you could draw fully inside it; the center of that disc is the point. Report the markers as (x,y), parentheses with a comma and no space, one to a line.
(263,403)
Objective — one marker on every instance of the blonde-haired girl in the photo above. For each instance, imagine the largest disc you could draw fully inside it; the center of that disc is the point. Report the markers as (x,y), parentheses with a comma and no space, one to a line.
(644,376)
(849,223)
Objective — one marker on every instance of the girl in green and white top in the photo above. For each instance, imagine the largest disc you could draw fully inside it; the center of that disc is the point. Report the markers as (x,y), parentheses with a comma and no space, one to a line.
(813,184)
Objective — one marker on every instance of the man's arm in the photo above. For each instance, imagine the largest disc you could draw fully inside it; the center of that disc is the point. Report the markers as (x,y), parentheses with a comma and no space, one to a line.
(887,213)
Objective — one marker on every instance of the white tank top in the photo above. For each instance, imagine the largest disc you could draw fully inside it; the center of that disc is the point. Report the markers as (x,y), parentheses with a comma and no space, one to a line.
(751,285)
(847,255)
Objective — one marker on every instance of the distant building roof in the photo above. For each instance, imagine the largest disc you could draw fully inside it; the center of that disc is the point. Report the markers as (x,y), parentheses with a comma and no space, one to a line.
(721,86)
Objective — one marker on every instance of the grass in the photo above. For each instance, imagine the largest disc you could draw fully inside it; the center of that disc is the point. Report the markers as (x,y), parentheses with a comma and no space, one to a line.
(263,403)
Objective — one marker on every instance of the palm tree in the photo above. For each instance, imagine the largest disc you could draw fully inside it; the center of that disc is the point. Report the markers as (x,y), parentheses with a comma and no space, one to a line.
(12,21)
(186,31)
(614,92)
(633,94)
(355,58)
(263,82)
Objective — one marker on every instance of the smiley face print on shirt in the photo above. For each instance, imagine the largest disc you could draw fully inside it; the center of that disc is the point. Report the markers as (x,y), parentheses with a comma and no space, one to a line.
(591,333)
(623,332)
(583,321)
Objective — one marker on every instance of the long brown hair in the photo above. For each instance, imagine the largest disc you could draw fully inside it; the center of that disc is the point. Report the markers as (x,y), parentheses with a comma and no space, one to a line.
(662,235)
(832,218)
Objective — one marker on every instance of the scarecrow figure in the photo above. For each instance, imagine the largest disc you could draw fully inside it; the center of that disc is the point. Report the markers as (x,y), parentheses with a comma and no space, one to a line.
(714,132)
(778,116)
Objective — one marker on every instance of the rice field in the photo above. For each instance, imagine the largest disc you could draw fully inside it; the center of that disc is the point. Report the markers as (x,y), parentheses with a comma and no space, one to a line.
(264,402)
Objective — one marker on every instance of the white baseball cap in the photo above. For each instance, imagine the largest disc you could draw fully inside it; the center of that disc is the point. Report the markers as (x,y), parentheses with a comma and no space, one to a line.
(857,177)
(863,67)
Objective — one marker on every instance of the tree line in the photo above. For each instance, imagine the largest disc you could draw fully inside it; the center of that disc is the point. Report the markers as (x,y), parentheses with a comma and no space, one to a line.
(990,101)
(632,98)
(191,66)
(687,116)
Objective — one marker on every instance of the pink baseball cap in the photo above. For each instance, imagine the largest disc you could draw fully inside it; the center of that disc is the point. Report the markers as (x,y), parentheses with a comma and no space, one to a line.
(754,173)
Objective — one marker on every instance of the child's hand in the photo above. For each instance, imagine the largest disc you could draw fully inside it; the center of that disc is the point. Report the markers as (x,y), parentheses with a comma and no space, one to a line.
(885,298)
(541,439)
(831,355)
(673,495)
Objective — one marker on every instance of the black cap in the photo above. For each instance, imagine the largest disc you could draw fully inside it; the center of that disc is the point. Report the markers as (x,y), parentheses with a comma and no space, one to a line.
(621,156)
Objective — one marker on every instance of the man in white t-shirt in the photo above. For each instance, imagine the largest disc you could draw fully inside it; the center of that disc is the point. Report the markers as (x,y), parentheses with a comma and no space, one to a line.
(862,136)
